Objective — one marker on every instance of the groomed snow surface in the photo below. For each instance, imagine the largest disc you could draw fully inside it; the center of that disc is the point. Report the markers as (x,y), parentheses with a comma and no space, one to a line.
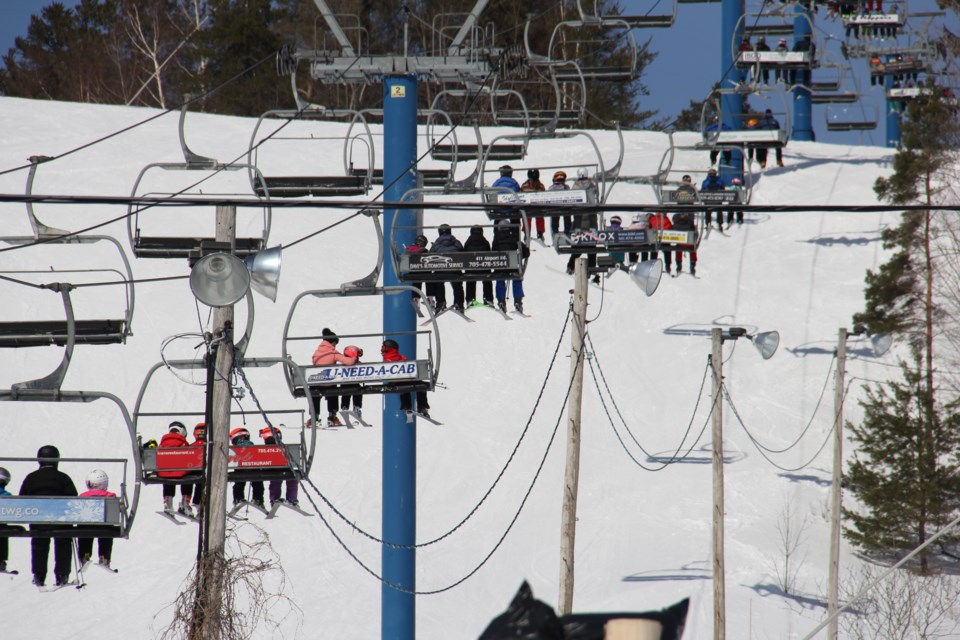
(643,538)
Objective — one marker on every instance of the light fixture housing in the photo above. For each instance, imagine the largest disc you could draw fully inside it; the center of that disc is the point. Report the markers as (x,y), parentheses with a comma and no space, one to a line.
(766,343)
(646,275)
(221,279)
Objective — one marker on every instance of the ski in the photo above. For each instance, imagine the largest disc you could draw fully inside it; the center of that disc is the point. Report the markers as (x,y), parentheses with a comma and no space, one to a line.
(10,572)
(246,503)
(347,415)
(346,424)
(460,313)
(57,587)
(416,307)
(289,505)
(480,305)
(414,414)
(91,563)
(188,516)
(171,516)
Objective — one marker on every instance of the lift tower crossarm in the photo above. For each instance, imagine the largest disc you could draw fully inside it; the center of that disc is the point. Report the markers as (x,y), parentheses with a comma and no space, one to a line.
(334,27)
(467,26)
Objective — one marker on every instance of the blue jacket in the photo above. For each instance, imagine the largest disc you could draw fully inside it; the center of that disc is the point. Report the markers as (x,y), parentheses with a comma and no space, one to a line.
(508,182)
(768,122)
(712,183)
(4,492)
(446,243)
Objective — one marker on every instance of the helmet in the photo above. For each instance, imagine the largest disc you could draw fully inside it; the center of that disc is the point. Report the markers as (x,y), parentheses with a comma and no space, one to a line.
(782,41)
(353,351)
(177,427)
(444,229)
(98,479)
(50,452)
(421,241)
(390,344)
(736,181)
(712,172)
(533,174)
(752,122)
(238,433)
(581,173)
(200,431)
(506,170)
(476,230)
(686,178)
(4,477)
(560,176)
(266,433)
(616,220)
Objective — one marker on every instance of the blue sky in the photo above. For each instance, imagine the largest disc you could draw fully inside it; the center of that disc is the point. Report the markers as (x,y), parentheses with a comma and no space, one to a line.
(686,68)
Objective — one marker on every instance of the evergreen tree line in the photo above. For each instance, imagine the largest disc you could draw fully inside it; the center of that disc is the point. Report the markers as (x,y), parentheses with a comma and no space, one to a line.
(155,52)
(905,473)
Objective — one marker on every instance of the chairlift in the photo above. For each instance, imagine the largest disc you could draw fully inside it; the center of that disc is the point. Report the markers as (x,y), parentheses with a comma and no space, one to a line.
(432,176)
(454,151)
(569,103)
(855,117)
(463,266)
(298,185)
(154,180)
(291,459)
(743,135)
(69,329)
(637,20)
(680,160)
(64,516)
(370,377)
(571,42)
(782,62)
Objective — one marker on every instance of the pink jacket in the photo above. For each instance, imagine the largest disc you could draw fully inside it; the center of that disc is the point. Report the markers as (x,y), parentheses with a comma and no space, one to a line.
(327,353)
(100,493)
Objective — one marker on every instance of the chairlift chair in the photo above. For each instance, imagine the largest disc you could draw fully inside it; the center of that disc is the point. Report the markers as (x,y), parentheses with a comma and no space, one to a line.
(370,377)
(101,517)
(648,19)
(299,185)
(742,135)
(861,116)
(290,459)
(455,151)
(200,170)
(570,42)
(462,266)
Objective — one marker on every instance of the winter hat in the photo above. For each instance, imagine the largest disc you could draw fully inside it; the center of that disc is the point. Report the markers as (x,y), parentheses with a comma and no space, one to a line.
(506,170)
(476,230)
(560,176)
(768,112)
(266,433)
(736,181)
(782,41)
(390,344)
(421,241)
(533,174)
(4,477)
(712,172)
(330,336)
(444,229)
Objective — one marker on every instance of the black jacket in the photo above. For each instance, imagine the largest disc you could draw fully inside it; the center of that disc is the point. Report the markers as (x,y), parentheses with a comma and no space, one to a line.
(476,242)
(47,481)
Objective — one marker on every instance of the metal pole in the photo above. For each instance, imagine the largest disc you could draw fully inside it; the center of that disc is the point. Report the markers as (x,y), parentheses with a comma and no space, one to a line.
(731,104)
(399,465)
(568,521)
(893,117)
(719,579)
(802,128)
(835,489)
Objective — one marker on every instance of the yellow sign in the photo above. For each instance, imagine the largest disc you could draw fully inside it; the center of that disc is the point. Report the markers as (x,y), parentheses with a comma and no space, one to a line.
(398,91)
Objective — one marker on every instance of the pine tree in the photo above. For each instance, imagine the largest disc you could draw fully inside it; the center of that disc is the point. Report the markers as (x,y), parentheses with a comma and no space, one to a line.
(909,438)
(906,472)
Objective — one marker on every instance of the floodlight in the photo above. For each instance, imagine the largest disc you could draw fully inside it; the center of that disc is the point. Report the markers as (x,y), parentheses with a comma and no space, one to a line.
(766,343)
(221,279)
(646,275)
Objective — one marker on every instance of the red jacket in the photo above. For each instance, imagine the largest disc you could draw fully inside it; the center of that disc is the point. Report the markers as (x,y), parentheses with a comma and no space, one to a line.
(392,355)
(172,439)
(99,493)
(327,353)
(660,220)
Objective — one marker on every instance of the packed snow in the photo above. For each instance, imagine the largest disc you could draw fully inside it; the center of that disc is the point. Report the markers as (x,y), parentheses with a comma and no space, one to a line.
(643,537)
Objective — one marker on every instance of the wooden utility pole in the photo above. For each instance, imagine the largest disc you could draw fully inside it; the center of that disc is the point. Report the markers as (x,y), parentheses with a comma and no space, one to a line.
(568,526)
(719,578)
(218,439)
(835,489)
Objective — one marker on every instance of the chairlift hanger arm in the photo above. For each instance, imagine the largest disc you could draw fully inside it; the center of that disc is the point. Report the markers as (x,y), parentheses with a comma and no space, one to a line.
(335,27)
(468,24)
